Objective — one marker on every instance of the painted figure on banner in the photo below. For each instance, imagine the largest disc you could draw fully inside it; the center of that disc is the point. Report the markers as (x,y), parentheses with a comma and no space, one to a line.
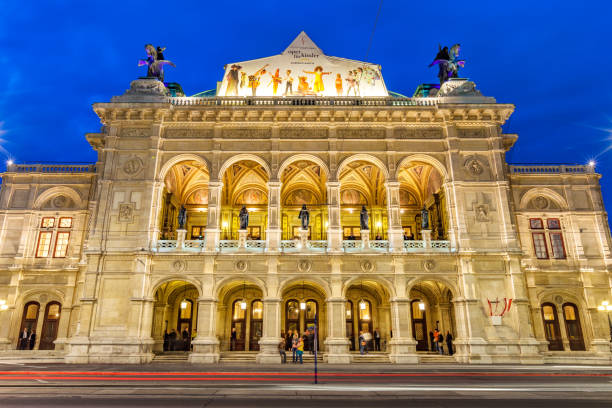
(339,85)
(254,79)
(358,76)
(364,218)
(276,81)
(350,79)
(244,218)
(155,65)
(232,81)
(304,216)
(318,82)
(448,62)
(182,217)
(244,81)
(288,83)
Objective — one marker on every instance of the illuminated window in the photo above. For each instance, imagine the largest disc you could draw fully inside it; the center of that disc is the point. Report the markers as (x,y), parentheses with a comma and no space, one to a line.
(311,310)
(553,223)
(548,312)
(47,222)
(539,245)
(239,313)
(65,222)
(417,310)
(570,312)
(364,310)
(61,244)
(556,242)
(536,223)
(31,311)
(185,311)
(257,311)
(44,244)
(53,311)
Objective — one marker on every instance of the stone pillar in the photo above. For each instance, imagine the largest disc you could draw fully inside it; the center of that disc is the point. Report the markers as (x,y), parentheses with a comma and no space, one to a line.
(242,238)
(62,329)
(403,344)
(211,237)
(365,239)
(334,229)
(180,239)
(274,230)
(78,345)
(157,190)
(336,341)
(303,239)
(395,232)
(268,344)
(206,344)
(159,311)
(426,234)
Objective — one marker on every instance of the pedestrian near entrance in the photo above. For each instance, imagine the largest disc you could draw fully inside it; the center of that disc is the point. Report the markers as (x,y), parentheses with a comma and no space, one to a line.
(288,340)
(300,350)
(377,339)
(441,343)
(449,343)
(432,341)
(435,340)
(23,339)
(311,341)
(281,351)
(32,339)
(233,339)
(294,346)
(172,339)
(362,343)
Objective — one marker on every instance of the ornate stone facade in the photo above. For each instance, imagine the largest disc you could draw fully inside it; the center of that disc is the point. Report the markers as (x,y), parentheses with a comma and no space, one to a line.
(124,273)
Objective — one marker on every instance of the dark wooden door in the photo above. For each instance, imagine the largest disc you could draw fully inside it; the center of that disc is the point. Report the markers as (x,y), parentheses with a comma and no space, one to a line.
(256,325)
(239,324)
(50,326)
(419,325)
(572,325)
(28,323)
(551,327)
(350,328)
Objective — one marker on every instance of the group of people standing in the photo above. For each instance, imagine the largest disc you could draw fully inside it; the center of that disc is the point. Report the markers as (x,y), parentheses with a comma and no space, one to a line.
(27,340)
(437,339)
(172,341)
(292,341)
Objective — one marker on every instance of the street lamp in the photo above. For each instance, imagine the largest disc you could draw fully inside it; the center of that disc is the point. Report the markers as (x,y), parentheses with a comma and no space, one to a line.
(606,307)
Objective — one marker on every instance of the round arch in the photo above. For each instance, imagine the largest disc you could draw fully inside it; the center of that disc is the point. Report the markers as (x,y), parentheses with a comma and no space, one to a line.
(542,191)
(300,157)
(55,191)
(363,157)
(423,158)
(243,157)
(452,287)
(355,280)
(548,296)
(172,278)
(221,287)
(326,292)
(181,158)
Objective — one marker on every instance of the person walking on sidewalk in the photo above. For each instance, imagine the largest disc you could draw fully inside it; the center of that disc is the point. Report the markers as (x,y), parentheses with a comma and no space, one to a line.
(281,351)
(300,349)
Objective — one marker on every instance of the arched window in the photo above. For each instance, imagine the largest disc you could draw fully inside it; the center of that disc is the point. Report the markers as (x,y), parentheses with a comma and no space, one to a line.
(572,325)
(292,316)
(256,324)
(551,327)
(238,325)
(28,323)
(350,329)
(419,324)
(50,326)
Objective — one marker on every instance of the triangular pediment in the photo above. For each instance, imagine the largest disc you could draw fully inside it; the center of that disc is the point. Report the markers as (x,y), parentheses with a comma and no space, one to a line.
(303,45)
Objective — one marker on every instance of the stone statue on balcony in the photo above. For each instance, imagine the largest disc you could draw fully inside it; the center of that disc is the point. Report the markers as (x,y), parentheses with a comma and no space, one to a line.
(364,218)
(182,217)
(304,216)
(155,62)
(448,62)
(424,218)
(244,218)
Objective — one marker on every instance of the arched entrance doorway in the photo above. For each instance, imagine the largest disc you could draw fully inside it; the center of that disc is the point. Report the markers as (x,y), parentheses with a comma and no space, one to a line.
(185,184)
(303,303)
(431,309)
(175,316)
(368,312)
(240,316)
(421,186)
(572,326)
(29,321)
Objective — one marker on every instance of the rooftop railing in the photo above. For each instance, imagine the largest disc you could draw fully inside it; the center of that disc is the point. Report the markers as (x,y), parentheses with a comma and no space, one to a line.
(301,101)
(51,168)
(551,169)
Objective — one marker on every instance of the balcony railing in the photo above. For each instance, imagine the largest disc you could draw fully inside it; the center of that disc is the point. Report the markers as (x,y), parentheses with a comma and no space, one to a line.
(551,169)
(51,168)
(301,101)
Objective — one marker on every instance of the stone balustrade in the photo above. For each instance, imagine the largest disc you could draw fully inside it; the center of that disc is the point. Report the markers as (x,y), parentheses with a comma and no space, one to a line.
(301,101)
(51,168)
(551,169)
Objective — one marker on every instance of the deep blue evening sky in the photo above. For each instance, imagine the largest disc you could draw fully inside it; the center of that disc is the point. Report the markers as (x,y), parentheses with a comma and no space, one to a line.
(551,59)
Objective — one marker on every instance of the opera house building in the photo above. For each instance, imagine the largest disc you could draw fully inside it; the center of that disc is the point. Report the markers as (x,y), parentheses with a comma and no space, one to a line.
(189,230)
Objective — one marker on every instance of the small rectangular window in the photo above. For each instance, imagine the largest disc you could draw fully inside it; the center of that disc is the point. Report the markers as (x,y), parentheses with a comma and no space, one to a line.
(61,244)
(65,222)
(536,223)
(556,243)
(47,222)
(553,223)
(539,245)
(44,244)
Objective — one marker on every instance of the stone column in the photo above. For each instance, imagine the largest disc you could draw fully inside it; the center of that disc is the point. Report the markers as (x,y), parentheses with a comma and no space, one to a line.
(157,190)
(395,232)
(211,238)
(403,344)
(78,345)
(274,230)
(62,329)
(336,341)
(206,344)
(159,311)
(268,344)
(334,229)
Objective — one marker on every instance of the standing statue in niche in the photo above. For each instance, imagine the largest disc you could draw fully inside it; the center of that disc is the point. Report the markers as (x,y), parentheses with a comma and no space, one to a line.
(155,62)
(244,218)
(304,216)
(182,217)
(424,218)
(364,218)
(448,62)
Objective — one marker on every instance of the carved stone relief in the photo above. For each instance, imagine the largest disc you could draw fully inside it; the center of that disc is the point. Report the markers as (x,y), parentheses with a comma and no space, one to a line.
(241,266)
(367,265)
(429,265)
(179,265)
(126,212)
(188,133)
(350,133)
(135,132)
(304,265)
(474,167)
(133,166)
(246,133)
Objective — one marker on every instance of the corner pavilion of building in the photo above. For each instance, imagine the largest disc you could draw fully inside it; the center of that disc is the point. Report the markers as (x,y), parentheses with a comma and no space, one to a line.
(514,261)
